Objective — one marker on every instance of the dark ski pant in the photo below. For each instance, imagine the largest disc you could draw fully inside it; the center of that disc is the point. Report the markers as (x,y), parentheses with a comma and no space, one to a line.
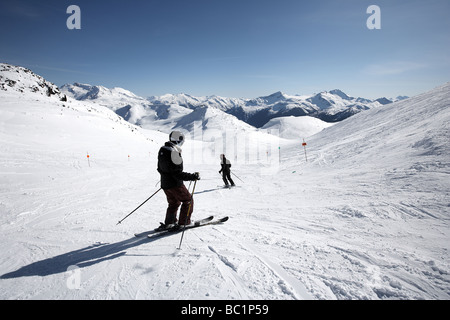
(175,197)
(225,176)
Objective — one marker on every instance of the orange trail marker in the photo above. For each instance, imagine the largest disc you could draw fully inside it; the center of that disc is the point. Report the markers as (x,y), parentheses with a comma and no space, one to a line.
(304,146)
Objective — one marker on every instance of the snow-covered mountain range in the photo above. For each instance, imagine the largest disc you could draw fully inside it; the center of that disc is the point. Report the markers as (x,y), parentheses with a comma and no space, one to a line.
(330,106)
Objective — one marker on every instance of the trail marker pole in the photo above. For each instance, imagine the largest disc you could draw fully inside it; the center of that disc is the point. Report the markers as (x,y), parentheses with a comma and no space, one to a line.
(304,146)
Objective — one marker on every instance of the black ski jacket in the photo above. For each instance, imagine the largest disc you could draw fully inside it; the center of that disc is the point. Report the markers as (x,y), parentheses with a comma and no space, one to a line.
(226,165)
(170,166)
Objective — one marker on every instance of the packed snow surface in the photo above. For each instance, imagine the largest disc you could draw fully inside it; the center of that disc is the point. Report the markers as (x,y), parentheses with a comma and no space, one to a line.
(296,127)
(367,217)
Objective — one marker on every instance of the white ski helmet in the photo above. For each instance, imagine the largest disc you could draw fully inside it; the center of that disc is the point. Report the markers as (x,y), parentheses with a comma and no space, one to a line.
(177,137)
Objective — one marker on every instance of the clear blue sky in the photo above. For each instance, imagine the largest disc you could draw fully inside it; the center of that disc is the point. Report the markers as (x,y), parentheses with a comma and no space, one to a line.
(234,48)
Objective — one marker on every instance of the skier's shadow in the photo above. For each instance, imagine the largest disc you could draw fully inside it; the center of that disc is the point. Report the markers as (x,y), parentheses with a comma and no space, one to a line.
(81,258)
(209,190)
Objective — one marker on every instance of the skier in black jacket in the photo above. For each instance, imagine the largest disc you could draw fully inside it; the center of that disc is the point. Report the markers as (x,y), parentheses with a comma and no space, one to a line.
(226,171)
(170,166)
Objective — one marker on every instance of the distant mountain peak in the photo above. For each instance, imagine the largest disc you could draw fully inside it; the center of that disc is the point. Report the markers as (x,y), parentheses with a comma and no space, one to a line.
(399,98)
(383,101)
(84,92)
(278,94)
(340,94)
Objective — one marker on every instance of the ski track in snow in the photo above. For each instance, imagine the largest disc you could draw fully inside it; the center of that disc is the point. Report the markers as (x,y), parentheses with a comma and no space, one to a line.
(371,225)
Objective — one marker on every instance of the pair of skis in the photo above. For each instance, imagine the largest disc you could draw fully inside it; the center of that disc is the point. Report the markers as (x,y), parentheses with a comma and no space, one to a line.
(199,223)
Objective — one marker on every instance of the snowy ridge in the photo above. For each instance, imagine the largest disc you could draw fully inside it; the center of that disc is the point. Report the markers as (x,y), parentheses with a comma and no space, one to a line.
(367,217)
(22,80)
(102,95)
(296,127)
(328,106)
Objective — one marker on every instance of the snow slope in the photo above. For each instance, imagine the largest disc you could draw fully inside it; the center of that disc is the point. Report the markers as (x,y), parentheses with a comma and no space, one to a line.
(296,127)
(366,218)
(375,202)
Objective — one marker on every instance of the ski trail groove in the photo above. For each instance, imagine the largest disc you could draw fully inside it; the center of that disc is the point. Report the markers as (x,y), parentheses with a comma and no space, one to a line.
(230,274)
(289,285)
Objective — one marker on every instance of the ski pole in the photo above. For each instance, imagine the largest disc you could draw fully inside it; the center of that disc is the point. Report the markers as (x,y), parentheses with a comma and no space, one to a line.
(188,214)
(236,176)
(138,207)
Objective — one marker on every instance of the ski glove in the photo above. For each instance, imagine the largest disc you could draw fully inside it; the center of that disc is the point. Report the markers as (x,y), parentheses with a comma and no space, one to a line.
(196,176)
